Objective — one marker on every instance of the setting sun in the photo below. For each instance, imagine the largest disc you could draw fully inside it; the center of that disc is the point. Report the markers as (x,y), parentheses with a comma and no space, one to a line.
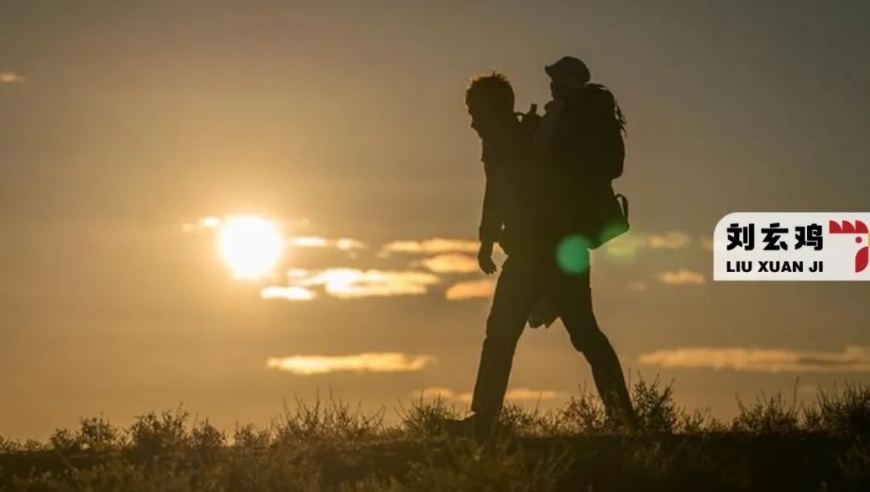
(250,246)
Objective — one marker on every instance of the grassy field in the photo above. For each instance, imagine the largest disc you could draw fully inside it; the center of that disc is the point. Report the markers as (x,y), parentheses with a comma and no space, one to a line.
(772,445)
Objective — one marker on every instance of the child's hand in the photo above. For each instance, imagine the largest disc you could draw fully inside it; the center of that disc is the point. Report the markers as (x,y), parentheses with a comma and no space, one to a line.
(484,259)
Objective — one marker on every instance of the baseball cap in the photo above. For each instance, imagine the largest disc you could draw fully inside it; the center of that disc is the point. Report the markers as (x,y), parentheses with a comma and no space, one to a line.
(569,71)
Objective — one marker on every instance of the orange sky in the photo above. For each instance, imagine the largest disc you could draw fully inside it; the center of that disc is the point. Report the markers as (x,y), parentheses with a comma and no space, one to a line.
(121,124)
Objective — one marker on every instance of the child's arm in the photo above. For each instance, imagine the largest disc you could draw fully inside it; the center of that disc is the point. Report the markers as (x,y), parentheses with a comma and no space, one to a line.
(543,141)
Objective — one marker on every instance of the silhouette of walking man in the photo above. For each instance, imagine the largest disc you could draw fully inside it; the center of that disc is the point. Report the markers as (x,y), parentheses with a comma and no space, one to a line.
(529,212)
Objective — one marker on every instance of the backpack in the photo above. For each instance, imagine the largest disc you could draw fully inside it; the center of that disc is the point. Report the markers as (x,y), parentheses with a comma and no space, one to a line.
(590,142)
(590,134)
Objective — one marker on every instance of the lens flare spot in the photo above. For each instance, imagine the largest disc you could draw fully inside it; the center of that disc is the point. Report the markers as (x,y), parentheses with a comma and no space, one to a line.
(612,231)
(572,254)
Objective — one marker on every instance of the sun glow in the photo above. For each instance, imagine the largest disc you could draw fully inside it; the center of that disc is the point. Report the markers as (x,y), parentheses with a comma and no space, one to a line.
(250,246)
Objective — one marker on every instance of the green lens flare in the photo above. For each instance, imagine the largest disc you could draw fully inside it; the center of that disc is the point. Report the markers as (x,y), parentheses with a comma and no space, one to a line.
(572,254)
(612,231)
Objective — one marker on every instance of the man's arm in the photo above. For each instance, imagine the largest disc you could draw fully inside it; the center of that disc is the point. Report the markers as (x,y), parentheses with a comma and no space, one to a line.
(492,217)
(491,221)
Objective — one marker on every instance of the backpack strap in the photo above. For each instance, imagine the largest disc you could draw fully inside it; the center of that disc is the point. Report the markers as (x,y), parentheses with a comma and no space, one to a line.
(623,202)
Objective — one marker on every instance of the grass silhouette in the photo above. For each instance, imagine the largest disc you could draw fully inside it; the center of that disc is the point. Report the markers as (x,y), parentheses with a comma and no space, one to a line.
(773,444)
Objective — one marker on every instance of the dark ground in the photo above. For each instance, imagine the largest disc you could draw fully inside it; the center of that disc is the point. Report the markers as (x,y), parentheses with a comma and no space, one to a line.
(770,446)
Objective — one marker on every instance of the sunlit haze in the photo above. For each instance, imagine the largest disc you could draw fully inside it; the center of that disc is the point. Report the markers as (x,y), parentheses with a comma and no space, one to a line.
(226,205)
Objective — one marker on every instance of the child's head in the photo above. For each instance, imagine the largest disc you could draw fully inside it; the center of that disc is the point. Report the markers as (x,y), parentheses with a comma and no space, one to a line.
(567,76)
(489,99)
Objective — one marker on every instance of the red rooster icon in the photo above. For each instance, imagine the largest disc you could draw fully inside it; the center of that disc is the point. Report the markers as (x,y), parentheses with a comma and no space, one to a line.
(862,257)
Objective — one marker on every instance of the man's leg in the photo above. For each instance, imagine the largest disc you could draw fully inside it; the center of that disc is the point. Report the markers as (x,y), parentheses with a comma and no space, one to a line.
(574,295)
(514,296)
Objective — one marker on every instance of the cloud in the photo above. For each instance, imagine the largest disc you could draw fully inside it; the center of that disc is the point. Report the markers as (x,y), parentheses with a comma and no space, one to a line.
(525,394)
(852,359)
(12,78)
(450,263)
(291,293)
(638,286)
(516,394)
(627,245)
(309,365)
(444,394)
(343,244)
(211,223)
(204,224)
(681,277)
(632,243)
(706,243)
(470,289)
(668,240)
(349,283)
(432,246)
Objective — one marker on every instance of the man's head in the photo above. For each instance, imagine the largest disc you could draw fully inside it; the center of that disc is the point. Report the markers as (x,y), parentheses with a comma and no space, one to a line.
(567,75)
(490,101)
